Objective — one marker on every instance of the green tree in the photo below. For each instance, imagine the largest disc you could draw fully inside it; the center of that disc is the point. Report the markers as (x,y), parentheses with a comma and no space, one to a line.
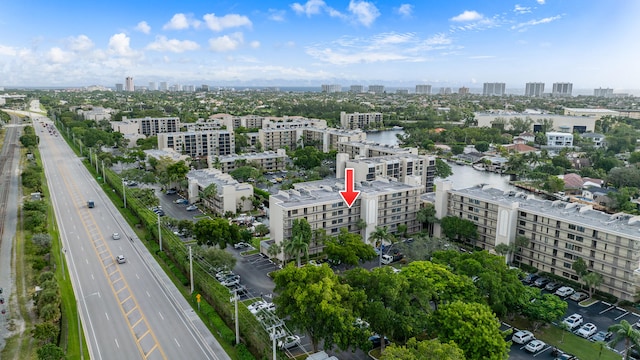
(625,332)
(455,228)
(420,350)
(216,258)
(210,191)
(315,302)
(301,227)
(295,247)
(244,173)
(45,332)
(443,170)
(308,157)
(50,352)
(553,184)
(348,248)
(473,327)
(378,237)
(50,312)
(216,232)
(580,267)
(544,309)
(592,280)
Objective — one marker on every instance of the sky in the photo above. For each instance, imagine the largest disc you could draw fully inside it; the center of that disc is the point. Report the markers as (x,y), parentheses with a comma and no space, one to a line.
(590,43)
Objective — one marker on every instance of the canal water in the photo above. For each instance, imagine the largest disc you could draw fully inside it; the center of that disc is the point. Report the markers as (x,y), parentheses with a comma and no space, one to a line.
(463,176)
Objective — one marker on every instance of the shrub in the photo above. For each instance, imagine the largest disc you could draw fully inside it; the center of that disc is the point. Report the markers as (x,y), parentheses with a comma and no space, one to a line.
(243,353)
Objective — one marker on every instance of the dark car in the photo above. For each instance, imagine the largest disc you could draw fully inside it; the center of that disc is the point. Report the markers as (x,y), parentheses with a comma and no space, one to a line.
(376,342)
(171,192)
(541,282)
(602,336)
(552,286)
(530,278)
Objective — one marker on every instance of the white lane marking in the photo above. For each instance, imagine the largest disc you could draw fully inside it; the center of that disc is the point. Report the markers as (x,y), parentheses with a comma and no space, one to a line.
(149,295)
(118,345)
(107,315)
(176,340)
(159,313)
(86,260)
(137,276)
(92,278)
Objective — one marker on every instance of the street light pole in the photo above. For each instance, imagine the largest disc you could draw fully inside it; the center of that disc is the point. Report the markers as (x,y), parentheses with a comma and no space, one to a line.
(235,298)
(103,179)
(124,194)
(159,232)
(191,269)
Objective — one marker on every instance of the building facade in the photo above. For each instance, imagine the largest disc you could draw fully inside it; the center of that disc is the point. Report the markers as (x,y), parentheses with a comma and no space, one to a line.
(268,161)
(562,89)
(493,89)
(605,93)
(559,140)
(558,232)
(463,91)
(332,88)
(119,87)
(129,84)
(360,149)
(199,144)
(534,89)
(423,89)
(376,89)
(360,120)
(230,196)
(356,89)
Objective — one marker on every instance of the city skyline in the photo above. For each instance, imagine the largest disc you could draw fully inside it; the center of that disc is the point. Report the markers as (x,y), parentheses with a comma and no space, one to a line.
(314,42)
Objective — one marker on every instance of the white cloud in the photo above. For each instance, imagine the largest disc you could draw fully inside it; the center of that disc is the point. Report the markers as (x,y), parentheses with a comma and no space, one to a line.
(365,12)
(226,43)
(523,26)
(79,43)
(173,45)
(177,22)
(311,7)
(393,38)
(119,45)
(8,50)
(541,2)
(225,22)
(480,57)
(521,9)
(276,15)
(468,16)
(438,39)
(59,56)
(340,58)
(405,10)
(255,44)
(143,27)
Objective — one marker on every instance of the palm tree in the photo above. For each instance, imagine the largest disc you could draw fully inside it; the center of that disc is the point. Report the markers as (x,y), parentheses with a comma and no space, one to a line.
(377,239)
(520,242)
(295,246)
(625,332)
(274,250)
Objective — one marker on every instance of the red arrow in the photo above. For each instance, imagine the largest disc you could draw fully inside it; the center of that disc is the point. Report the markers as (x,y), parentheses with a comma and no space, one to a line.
(349,195)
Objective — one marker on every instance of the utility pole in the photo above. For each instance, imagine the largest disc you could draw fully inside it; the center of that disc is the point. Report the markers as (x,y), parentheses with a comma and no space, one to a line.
(103,179)
(159,232)
(191,270)
(124,194)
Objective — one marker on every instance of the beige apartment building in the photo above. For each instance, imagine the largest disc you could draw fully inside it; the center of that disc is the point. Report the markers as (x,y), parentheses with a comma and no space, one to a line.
(359,149)
(360,120)
(151,126)
(199,144)
(381,203)
(230,194)
(559,233)
(267,161)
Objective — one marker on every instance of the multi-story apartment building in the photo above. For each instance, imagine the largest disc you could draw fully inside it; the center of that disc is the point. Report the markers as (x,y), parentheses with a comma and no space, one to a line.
(405,168)
(163,86)
(463,91)
(329,138)
(534,89)
(493,89)
(558,232)
(146,126)
(445,91)
(267,161)
(356,89)
(376,89)
(600,92)
(119,87)
(286,132)
(360,120)
(381,203)
(152,86)
(562,89)
(129,84)
(423,89)
(230,194)
(559,140)
(360,149)
(332,88)
(199,144)
(598,140)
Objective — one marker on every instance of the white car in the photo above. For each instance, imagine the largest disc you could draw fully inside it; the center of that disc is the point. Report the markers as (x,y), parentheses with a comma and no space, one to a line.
(266,306)
(120,259)
(565,291)
(573,321)
(522,337)
(289,342)
(587,330)
(191,208)
(534,346)
(256,305)
(240,245)
(115,236)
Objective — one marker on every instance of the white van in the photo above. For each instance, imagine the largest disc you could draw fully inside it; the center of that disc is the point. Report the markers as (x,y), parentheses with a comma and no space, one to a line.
(386,259)
(321,355)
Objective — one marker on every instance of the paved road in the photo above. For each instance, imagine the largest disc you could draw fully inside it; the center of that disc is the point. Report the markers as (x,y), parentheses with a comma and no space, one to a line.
(9,176)
(130,310)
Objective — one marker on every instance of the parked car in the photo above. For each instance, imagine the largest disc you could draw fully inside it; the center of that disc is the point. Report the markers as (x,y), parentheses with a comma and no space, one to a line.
(289,342)
(541,282)
(573,321)
(181,201)
(534,346)
(115,236)
(564,291)
(256,305)
(552,286)
(602,336)
(263,305)
(377,342)
(231,280)
(522,337)
(530,278)
(240,245)
(120,259)
(192,207)
(223,274)
(578,296)
(587,330)
(171,192)
(314,263)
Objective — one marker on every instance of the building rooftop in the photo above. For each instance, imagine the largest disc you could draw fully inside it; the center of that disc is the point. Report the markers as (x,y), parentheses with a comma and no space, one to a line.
(625,224)
(387,158)
(206,177)
(601,111)
(249,156)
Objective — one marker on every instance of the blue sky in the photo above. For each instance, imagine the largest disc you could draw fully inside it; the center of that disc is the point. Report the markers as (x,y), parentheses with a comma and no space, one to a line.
(590,43)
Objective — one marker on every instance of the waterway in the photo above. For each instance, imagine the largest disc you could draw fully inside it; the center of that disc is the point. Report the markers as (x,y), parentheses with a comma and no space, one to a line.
(463,176)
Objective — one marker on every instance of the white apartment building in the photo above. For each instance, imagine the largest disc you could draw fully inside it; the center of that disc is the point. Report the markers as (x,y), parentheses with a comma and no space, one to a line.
(562,89)
(559,233)
(405,168)
(360,120)
(267,161)
(199,144)
(598,140)
(129,84)
(168,154)
(423,89)
(559,140)
(376,89)
(381,203)
(600,92)
(332,88)
(493,89)
(360,149)
(230,194)
(579,124)
(146,126)
(356,89)
(534,89)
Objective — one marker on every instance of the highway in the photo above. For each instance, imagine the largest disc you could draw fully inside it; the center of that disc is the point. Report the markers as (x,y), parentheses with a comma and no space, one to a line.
(130,310)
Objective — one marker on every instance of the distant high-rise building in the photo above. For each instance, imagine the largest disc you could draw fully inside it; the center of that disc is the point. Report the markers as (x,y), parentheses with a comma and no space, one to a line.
(535,89)
(423,89)
(188,88)
(152,86)
(334,88)
(493,89)
(163,86)
(562,89)
(204,87)
(600,92)
(356,88)
(376,89)
(445,91)
(463,90)
(402,91)
(119,87)
(129,84)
